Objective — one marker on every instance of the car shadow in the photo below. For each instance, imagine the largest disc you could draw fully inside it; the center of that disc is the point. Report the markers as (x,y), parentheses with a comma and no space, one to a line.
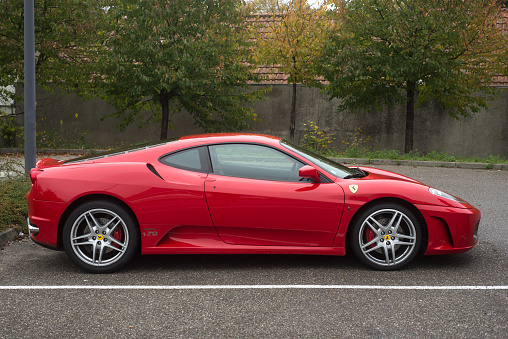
(229,262)
(141,264)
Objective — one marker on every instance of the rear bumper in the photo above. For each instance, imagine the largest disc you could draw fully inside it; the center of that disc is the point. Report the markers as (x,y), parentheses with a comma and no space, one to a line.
(43,220)
(450,230)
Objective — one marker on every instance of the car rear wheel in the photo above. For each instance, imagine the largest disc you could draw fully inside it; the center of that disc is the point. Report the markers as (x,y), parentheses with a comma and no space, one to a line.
(386,237)
(100,236)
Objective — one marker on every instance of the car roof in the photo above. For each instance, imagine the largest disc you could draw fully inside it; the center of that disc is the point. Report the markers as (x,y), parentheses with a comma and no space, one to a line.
(181,143)
(212,138)
(230,136)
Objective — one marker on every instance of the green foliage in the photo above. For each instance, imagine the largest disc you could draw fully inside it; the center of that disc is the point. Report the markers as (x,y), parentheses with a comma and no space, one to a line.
(13,212)
(357,145)
(71,140)
(267,6)
(13,137)
(9,131)
(292,38)
(67,37)
(317,140)
(169,56)
(446,51)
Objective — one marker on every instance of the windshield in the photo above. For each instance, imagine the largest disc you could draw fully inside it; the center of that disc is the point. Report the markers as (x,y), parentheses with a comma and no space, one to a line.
(106,154)
(326,164)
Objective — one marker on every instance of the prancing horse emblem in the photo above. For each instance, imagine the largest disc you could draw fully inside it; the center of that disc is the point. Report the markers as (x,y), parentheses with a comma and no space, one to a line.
(353,188)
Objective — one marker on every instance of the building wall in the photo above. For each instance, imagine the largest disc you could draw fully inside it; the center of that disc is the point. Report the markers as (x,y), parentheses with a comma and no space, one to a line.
(482,134)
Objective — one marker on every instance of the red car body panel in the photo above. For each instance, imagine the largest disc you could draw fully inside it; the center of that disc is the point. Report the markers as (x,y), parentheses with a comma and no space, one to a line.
(262,213)
(182,211)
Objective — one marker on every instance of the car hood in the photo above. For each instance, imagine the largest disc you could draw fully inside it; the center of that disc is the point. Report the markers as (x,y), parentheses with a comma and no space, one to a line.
(379,174)
(381,184)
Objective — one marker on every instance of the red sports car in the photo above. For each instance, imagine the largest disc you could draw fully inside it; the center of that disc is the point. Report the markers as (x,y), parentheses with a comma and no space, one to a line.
(238,193)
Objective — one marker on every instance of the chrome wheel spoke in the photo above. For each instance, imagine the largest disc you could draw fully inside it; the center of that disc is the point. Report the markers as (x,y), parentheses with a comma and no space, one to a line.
(121,250)
(112,229)
(94,222)
(403,236)
(396,228)
(373,248)
(404,243)
(376,222)
(85,236)
(369,243)
(109,222)
(117,242)
(387,256)
(390,223)
(394,257)
(94,251)
(376,230)
(101,251)
(83,243)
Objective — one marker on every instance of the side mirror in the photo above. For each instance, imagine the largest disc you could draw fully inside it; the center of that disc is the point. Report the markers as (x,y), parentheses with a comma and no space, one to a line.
(309,172)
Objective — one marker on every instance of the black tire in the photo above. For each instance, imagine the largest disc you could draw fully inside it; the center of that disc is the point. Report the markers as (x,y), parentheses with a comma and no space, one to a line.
(379,243)
(100,236)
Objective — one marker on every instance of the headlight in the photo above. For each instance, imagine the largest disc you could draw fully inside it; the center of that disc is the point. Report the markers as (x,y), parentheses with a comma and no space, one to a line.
(445,195)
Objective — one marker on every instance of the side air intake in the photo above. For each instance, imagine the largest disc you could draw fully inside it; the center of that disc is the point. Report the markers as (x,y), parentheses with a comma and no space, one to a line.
(154,171)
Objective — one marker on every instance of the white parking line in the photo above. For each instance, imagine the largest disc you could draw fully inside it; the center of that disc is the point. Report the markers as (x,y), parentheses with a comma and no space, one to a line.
(247,287)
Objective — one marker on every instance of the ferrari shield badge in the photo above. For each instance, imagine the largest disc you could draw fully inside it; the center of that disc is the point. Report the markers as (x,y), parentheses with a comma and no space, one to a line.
(353,188)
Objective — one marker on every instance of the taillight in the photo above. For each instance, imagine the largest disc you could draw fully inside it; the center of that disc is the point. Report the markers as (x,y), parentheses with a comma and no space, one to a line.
(34,172)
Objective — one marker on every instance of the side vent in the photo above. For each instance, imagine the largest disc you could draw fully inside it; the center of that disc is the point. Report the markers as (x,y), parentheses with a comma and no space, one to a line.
(154,171)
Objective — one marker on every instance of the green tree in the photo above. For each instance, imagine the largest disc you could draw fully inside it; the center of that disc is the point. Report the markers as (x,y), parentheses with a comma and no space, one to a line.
(386,52)
(292,40)
(169,55)
(67,36)
(267,6)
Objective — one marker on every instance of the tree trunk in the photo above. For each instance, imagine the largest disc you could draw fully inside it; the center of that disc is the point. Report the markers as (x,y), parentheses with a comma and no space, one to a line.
(410,116)
(164,101)
(292,119)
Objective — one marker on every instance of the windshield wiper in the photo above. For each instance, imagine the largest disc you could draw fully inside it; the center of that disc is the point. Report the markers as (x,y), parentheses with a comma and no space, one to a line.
(359,174)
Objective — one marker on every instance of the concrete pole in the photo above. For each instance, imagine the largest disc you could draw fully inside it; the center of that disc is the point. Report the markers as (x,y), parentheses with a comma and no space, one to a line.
(30,145)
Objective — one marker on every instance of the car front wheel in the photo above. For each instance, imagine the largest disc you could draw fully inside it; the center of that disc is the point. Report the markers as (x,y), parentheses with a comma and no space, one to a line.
(100,236)
(386,237)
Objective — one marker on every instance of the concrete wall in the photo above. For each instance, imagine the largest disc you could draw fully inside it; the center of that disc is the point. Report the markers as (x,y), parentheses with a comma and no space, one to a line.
(479,135)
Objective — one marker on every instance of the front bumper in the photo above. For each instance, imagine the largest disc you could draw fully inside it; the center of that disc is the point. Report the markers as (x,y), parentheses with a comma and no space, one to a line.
(450,230)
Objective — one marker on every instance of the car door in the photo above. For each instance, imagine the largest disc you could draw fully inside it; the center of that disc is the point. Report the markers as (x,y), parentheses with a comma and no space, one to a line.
(181,199)
(255,197)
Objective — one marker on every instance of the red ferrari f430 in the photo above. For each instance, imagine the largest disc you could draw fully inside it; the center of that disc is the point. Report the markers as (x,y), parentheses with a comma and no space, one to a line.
(238,193)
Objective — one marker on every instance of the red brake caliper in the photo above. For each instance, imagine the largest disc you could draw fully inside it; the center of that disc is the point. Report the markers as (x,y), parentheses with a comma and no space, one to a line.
(369,236)
(117,234)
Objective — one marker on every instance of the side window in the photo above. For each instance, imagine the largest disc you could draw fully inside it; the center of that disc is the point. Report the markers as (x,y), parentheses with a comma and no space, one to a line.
(254,162)
(189,159)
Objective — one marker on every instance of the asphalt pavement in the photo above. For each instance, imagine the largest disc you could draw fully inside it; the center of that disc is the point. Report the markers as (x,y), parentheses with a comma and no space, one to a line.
(458,296)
